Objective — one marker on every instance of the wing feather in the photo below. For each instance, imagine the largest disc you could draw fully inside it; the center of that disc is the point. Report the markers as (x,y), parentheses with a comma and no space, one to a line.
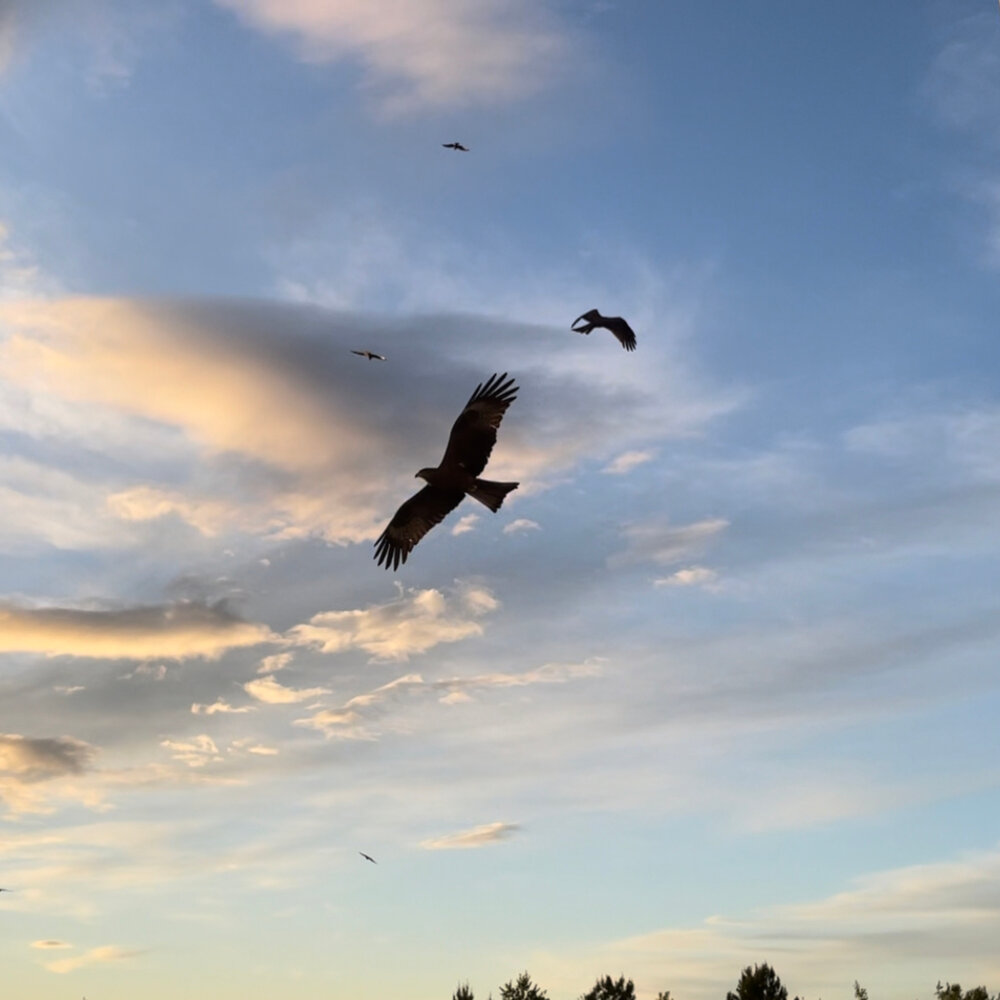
(412,521)
(620,328)
(475,431)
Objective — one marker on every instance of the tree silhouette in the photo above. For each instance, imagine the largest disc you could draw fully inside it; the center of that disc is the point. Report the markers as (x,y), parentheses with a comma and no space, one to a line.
(860,993)
(953,991)
(608,989)
(522,989)
(463,992)
(759,983)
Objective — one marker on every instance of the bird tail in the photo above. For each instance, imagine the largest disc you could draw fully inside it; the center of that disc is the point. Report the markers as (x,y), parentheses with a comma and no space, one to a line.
(490,493)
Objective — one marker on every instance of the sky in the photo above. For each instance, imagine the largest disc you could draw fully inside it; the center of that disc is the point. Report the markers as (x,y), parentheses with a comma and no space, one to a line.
(717,685)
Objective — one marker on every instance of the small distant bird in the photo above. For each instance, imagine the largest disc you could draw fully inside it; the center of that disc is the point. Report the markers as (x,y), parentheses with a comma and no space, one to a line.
(469,445)
(368,857)
(615,324)
(370,355)
(455,145)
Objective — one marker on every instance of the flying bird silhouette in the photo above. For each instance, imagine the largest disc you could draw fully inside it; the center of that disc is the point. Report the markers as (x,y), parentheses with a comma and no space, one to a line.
(368,857)
(370,355)
(455,145)
(618,326)
(469,445)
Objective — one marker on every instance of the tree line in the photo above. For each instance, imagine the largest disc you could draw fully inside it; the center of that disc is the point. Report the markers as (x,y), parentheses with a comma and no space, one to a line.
(757,982)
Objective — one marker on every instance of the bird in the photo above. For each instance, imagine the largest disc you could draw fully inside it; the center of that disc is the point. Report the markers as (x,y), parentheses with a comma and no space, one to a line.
(368,857)
(618,326)
(456,146)
(469,445)
(370,355)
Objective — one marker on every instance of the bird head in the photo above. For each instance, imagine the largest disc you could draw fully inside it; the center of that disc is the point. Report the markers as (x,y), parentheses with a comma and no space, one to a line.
(424,474)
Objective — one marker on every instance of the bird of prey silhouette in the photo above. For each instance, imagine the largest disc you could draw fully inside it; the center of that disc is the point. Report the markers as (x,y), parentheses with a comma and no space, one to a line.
(370,355)
(618,326)
(368,857)
(472,438)
(456,146)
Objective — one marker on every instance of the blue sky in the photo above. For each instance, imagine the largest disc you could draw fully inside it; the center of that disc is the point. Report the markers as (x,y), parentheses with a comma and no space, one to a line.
(718,683)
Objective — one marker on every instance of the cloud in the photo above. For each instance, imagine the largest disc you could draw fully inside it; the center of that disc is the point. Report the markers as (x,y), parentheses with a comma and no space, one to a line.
(963,84)
(423,52)
(656,541)
(693,576)
(174,631)
(37,770)
(220,706)
(30,759)
(341,723)
(55,507)
(20,276)
(356,718)
(479,836)
(465,524)
(210,516)
(416,621)
(269,691)
(109,31)
(275,662)
(199,751)
(103,955)
(521,524)
(627,461)
(549,673)
(904,924)
(275,437)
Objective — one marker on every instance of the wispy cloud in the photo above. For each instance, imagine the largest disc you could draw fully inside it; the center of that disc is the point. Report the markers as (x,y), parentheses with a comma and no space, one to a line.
(219,707)
(271,692)
(904,925)
(628,461)
(31,759)
(659,542)
(416,621)
(465,524)
(34,771)
(424,52)
(692,576)
(478,836)
(521,524)
(173,631)
(105,954)
(199,751)
(356,719)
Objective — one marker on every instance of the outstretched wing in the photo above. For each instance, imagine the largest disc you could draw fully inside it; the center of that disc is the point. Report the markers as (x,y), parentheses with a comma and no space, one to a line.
(621,329)
(591,316)
(412,521)
(475,432)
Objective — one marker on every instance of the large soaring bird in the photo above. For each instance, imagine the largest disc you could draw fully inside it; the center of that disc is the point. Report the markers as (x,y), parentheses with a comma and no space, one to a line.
(370,355)
(457,146)
(469,446)
(615,324)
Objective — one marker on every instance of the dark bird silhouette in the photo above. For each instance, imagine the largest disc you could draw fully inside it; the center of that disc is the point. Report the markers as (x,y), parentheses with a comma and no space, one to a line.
(469,445)
(370,355)
(455,145)
(618,326)
(368,857)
